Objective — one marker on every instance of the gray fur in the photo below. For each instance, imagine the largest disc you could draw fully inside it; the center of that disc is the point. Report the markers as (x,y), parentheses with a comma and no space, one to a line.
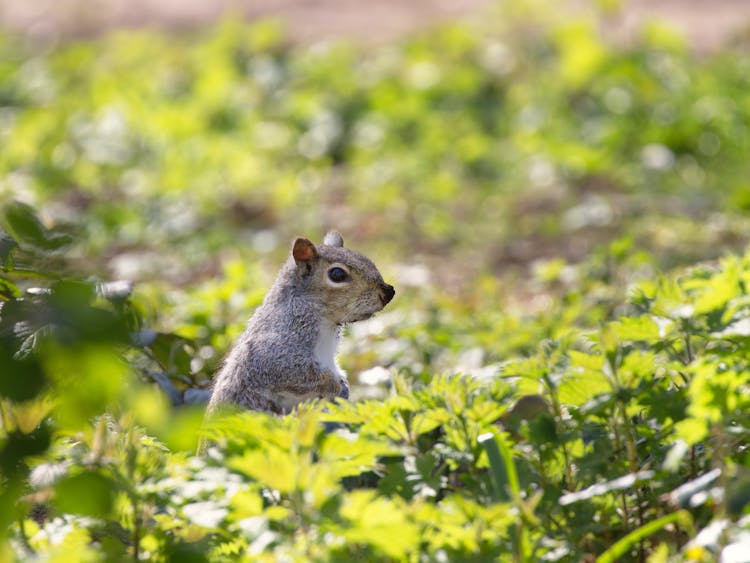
(276,364)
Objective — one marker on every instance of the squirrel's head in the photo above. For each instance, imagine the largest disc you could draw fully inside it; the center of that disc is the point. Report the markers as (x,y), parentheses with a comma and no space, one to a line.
(345,285)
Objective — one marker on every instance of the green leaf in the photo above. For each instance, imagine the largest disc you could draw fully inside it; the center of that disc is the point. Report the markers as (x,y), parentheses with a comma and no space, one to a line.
(8,290)
(22,222)
(379,522)
(641,328)
(502,469)
(19,445)
(7,245)
(624,545)
(21,379)
(720,289)
(637,366)
(86,380)
(584,380)
(25,226)
(77,320)
(271,467)
(173,352)
(88,494)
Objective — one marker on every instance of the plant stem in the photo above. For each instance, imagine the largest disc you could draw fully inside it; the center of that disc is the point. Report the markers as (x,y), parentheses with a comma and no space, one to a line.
(24,538)
(634,466)
(557,410)
(3,421)
(136,529)
(688,349)
(8,420)
(623,496)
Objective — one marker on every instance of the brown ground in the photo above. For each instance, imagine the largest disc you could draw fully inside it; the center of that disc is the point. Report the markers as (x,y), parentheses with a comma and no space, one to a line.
(706,23)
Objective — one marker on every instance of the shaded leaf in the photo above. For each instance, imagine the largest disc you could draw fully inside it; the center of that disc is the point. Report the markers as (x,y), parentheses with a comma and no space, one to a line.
(22,222)
(7,245)
(21,379)
(19,445)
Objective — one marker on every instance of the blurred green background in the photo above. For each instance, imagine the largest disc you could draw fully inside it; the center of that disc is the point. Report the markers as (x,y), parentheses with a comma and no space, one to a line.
(498,160)
(516,172)
(525,163)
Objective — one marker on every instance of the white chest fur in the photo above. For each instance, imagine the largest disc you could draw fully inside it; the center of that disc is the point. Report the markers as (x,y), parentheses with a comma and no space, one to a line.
(325,356)
(325,349)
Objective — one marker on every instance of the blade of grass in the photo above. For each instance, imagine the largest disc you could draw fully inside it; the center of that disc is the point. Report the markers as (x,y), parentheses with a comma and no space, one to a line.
(503,470)
(622,546)
(507,489)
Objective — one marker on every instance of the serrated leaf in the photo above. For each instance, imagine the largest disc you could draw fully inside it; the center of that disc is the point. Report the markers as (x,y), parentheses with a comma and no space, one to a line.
(424,422)
(270,467)
(720,289)
(584,380)
(379,522)
(637,365)
(641,328)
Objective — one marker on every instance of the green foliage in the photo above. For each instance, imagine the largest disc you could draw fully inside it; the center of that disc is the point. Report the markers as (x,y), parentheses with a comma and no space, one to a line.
(438,467)
(544,397)
(647,451)
(234,123)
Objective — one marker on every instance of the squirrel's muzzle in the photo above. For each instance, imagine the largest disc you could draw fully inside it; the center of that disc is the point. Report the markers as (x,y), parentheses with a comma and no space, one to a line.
(386,293)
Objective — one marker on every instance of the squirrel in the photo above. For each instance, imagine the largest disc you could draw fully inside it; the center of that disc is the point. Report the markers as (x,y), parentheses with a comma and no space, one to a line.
(287,353)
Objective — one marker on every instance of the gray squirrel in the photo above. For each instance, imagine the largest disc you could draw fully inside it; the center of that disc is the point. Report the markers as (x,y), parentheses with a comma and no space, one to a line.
(287,353)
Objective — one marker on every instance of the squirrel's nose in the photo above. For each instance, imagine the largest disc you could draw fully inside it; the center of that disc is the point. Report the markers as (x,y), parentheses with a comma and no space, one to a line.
(387,293)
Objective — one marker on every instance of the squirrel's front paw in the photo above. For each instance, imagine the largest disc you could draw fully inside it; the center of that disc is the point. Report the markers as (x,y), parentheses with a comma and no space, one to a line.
(344,391)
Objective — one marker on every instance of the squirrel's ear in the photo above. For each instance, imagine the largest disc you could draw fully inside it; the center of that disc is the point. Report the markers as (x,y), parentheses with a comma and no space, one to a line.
(303,250)
(333,238)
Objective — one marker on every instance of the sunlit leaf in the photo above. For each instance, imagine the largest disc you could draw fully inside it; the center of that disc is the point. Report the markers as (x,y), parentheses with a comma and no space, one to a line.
(8,290)
(379,522)
(622,546)
(641,328)
(270,467)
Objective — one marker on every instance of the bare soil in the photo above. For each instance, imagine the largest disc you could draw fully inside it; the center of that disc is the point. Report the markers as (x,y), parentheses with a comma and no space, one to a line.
(707,24)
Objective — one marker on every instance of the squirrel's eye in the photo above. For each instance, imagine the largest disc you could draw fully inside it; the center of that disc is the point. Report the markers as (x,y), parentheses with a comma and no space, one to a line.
(337,275)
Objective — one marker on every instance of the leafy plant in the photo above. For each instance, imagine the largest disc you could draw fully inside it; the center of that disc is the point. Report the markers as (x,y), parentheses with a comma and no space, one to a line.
(562,377)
